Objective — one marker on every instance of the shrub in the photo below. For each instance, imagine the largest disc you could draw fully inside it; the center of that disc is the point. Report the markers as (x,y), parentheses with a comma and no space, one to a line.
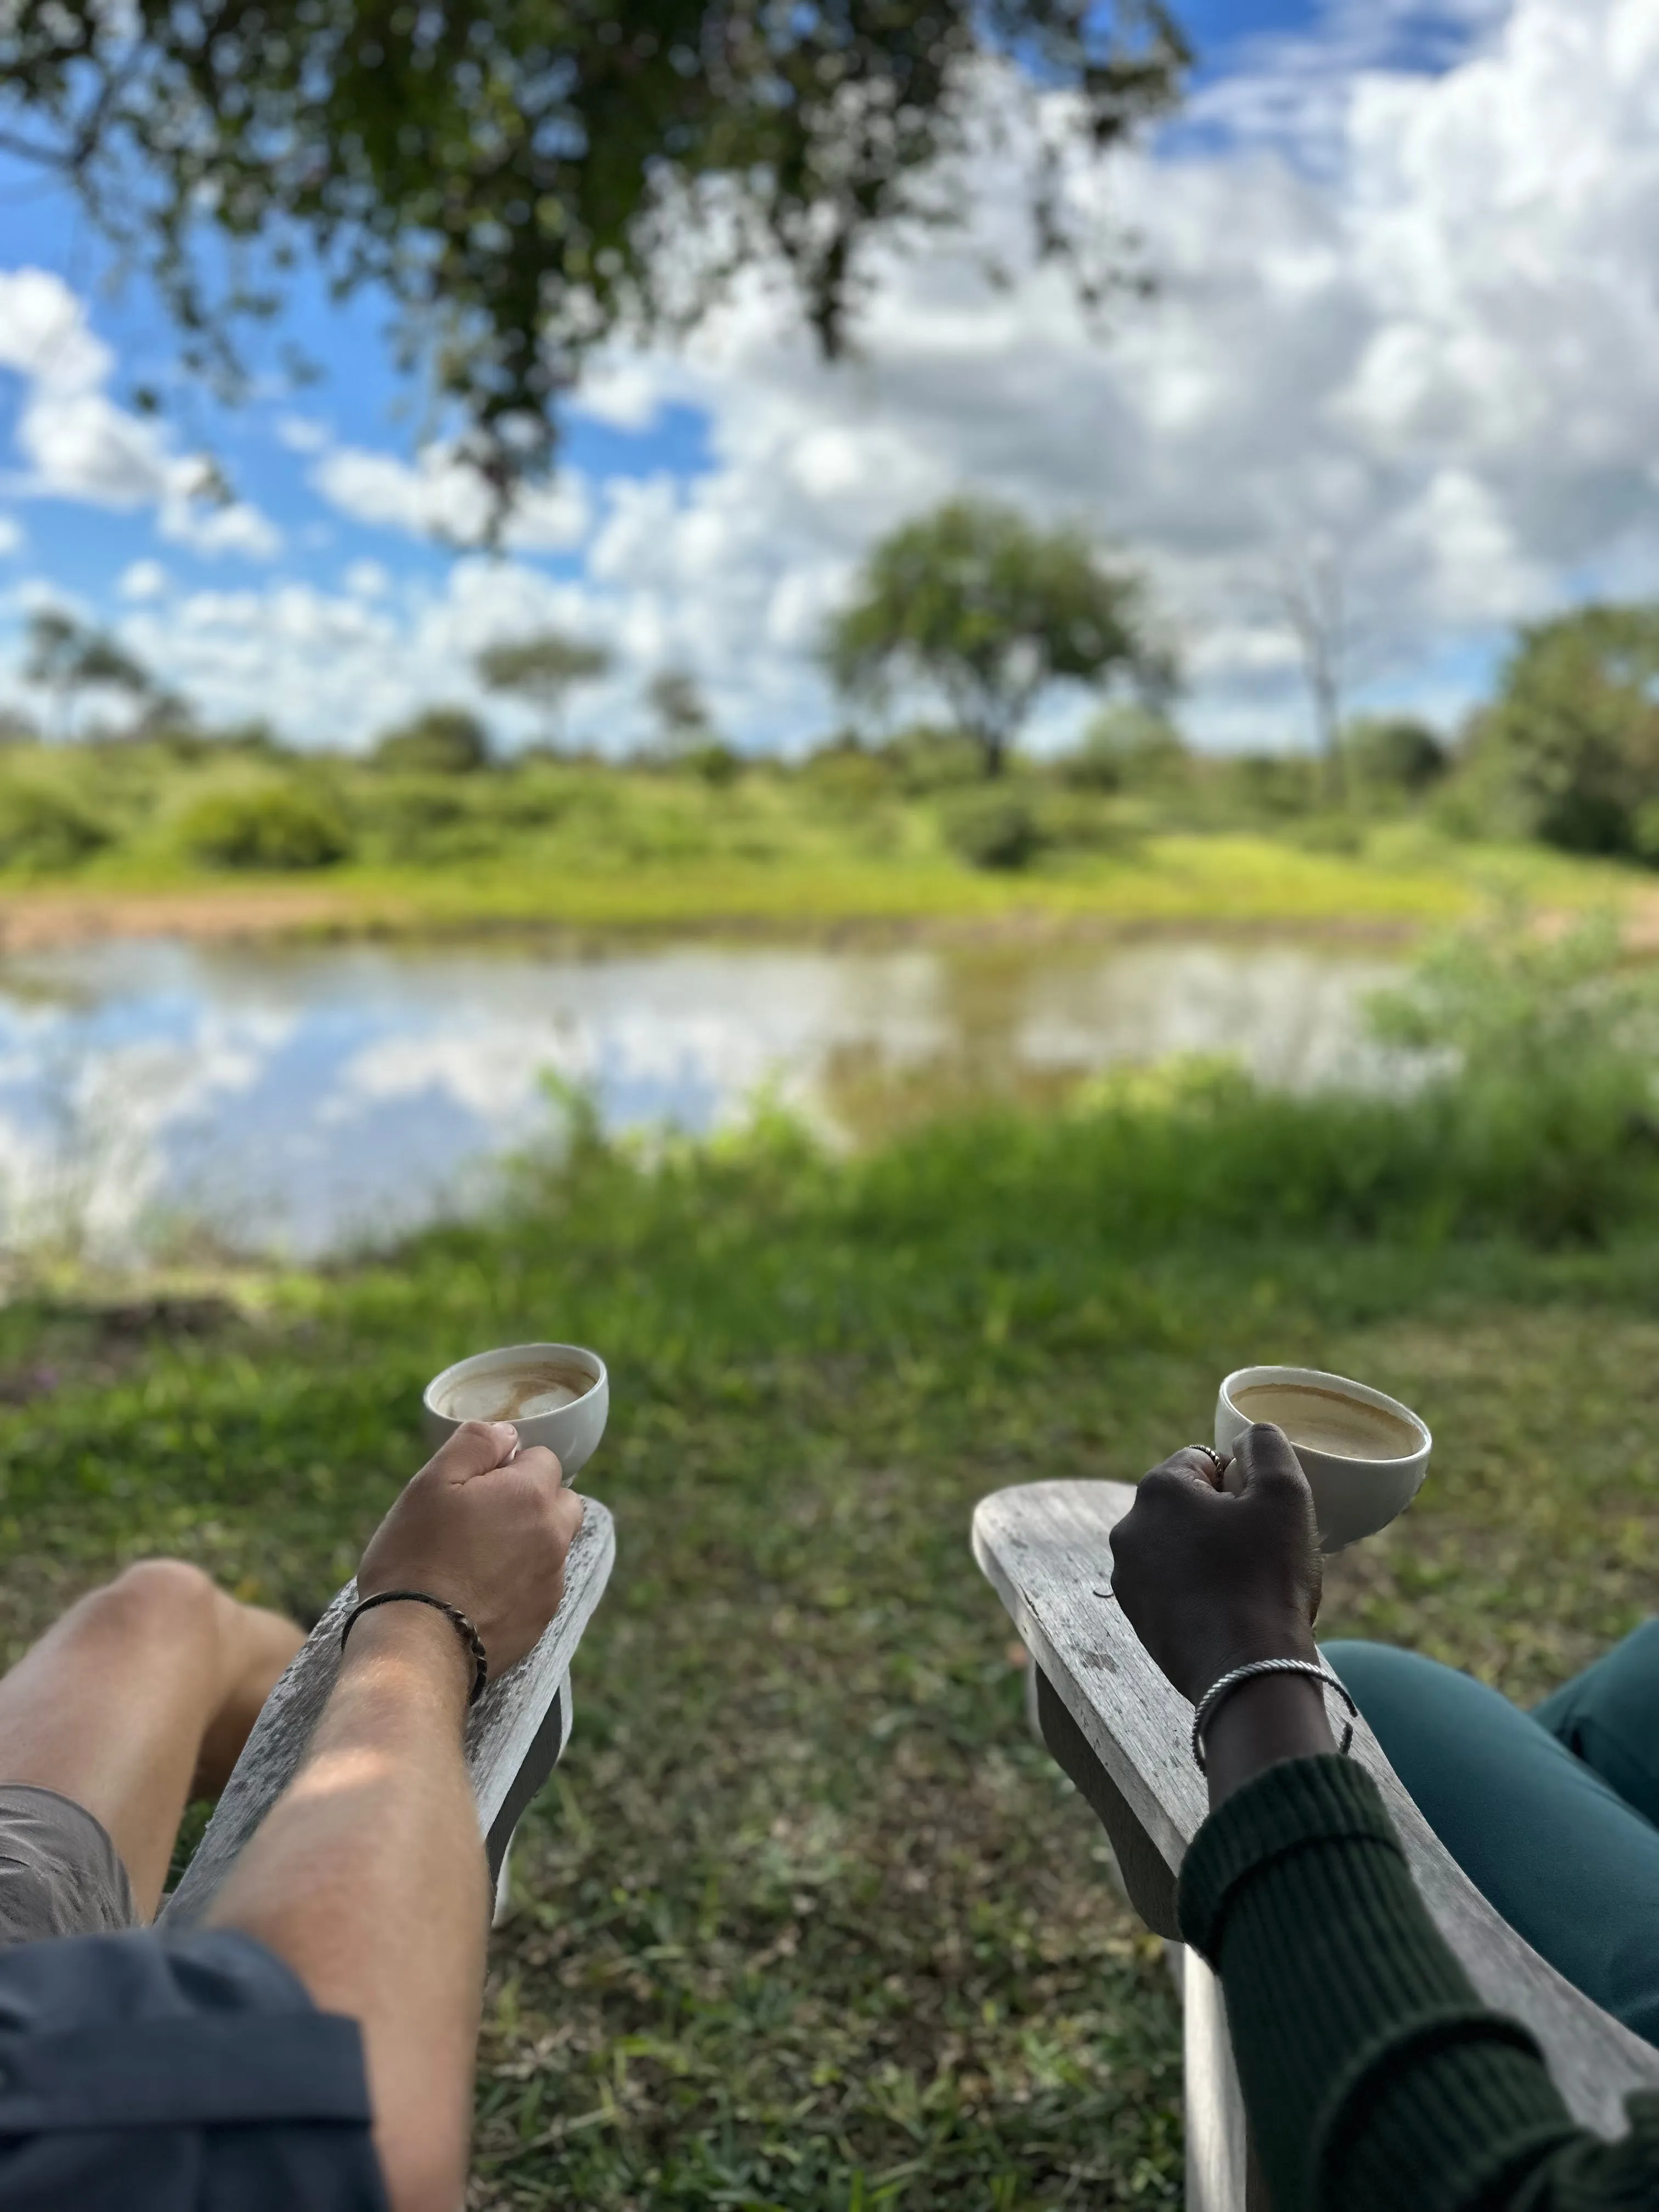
(848,778)
(275,825)
(713,763)
(1574,732)
(929,759)
(444,741)
(992,826)
(43,828)
(1271,788)
(1395,754)
(1329,833)
(1543,1106)
(1128,748)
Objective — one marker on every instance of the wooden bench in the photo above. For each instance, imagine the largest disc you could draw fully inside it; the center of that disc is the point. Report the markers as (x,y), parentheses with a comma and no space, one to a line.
(1121,1733)
(515,1733)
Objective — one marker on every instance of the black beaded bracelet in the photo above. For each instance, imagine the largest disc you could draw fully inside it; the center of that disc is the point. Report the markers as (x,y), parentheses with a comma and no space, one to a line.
(463,1628)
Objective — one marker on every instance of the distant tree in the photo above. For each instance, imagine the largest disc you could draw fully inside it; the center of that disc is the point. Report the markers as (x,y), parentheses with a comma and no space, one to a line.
(1394,753)
(545,669)
(521,180)
(989,611)
(1312,595)
(1572,737)
(681,711)
(66,658)
(442,741)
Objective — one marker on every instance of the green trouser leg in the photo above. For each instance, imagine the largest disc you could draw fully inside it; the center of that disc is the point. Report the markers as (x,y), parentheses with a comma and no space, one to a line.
(1550,1814)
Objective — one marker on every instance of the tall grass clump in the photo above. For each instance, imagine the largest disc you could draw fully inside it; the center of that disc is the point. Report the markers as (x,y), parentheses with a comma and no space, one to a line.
(1526,1108)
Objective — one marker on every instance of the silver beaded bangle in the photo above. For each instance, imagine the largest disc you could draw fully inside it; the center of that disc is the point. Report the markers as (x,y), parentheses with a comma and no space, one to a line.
(1218,1689)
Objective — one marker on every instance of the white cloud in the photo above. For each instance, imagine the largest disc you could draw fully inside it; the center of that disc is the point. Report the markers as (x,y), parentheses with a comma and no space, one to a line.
(79,446)
(1420,331)
(11,536)
(1410,315)
(301,435)
(439,496)
(143,580)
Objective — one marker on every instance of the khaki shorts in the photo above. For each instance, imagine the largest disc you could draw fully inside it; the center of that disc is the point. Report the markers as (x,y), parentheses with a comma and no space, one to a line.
(59,1873)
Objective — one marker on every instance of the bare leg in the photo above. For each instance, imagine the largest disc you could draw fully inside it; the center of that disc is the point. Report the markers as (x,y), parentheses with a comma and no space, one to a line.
(142,1695)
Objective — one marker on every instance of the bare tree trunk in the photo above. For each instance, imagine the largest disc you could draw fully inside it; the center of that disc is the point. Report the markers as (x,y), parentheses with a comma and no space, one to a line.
(1313,598)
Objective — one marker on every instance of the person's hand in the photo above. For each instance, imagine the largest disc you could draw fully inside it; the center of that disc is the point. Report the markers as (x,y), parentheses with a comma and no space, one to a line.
(486,1527)
(1214,1570)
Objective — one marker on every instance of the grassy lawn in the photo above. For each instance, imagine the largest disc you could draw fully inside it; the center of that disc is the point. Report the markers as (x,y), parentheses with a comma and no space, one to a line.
(805,1920)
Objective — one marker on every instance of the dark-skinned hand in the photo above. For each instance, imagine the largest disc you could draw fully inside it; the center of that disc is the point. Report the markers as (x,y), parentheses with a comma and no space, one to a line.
(1216,1570)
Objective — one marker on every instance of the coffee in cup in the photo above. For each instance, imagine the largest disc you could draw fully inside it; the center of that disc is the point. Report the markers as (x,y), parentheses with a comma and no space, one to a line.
(1363,1453)
(556,1394)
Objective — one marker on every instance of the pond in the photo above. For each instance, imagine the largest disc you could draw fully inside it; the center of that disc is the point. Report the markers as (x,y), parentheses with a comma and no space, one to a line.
(302,1101)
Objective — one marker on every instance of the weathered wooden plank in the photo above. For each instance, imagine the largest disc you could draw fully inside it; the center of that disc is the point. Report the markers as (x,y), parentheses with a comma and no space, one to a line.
(514,1733)
(1046,1549)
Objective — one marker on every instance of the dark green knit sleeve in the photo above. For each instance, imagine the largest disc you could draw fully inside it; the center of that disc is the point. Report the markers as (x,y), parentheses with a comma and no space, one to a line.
(1373,2075)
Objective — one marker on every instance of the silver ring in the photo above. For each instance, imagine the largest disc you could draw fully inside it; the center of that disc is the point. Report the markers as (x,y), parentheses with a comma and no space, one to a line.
(1211,1454)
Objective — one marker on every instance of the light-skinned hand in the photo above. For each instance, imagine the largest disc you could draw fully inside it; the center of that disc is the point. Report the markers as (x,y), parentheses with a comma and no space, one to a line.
(486,1527)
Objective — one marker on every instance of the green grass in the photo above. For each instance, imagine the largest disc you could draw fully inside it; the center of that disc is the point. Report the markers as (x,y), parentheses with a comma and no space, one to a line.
(805,1920)
(591,847)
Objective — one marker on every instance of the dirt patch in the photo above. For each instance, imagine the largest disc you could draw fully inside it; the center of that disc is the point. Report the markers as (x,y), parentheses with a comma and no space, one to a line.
(40,922)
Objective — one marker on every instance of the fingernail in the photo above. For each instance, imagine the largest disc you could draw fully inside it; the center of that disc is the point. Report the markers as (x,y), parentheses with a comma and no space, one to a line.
(506,1435)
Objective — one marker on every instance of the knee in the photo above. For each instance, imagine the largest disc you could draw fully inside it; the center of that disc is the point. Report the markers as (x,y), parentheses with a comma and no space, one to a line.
(156,1598)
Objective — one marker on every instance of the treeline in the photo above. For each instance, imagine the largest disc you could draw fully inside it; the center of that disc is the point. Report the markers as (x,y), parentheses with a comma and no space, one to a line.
(973,606)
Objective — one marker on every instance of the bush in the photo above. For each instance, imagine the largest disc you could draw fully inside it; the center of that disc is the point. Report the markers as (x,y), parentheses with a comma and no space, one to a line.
(1543,1107)
(43,828)
(1395,755)
(1272,788)
(427,818)
(929,759)
(849,779)
(1574,733)
(1128,748)
(444,741)
(992,826)
(276,825)
(713,763)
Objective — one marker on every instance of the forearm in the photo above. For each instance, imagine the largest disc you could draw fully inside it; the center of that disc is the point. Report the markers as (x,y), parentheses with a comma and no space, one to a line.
(1372,2074)
(369,1878)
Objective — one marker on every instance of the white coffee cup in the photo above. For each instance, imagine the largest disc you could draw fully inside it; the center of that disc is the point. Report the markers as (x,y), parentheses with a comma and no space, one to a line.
(571,1432)
(1360,1481)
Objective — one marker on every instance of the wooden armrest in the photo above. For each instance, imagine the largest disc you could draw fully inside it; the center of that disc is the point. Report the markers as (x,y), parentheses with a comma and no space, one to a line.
(1045,1548)
(514,1734)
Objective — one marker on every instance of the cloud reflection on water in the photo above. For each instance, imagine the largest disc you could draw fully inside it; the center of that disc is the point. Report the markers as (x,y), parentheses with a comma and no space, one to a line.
(302,1101)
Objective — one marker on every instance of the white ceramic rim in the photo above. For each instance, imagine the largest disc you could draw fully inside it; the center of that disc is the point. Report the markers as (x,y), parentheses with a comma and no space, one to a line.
(1345,1386)
(596,1367)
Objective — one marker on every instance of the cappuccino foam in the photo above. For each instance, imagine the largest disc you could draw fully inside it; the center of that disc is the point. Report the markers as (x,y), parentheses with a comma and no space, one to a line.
(509,1393)
(1329,1420)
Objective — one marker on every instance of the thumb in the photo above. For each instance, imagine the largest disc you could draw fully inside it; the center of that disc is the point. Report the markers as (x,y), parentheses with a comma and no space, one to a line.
(477,1447)
(1265,1463)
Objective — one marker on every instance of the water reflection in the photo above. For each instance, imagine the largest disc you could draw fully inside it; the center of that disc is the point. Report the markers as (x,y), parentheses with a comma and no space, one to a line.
(300,1100)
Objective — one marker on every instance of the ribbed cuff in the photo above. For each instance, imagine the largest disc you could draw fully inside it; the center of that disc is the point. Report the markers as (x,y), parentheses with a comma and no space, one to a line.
(1299,1803)
(1374,2078)
(1437,2118)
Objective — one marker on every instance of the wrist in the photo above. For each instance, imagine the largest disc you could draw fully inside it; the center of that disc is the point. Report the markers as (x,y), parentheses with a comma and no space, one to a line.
(1261,1721)
(1242,1643)
(414,1643)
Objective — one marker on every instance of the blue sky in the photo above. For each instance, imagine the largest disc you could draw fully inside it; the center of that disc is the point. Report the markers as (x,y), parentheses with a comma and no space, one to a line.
(1406,330)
